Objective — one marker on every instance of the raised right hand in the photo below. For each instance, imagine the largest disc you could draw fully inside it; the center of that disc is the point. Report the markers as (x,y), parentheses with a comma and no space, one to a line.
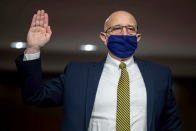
(39,33)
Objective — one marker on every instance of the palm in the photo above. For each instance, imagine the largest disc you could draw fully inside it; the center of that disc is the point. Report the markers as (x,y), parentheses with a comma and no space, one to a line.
(37,36)
(39,33)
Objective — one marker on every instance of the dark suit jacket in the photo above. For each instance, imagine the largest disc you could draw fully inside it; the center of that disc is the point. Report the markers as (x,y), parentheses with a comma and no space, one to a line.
(76,88)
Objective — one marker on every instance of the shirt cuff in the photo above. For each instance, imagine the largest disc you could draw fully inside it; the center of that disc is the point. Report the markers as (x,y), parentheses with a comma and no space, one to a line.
(28,57)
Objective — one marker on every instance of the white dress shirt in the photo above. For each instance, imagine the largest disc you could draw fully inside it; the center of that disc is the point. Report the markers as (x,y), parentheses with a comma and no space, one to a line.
(31,56)
(104,111)
(103,116)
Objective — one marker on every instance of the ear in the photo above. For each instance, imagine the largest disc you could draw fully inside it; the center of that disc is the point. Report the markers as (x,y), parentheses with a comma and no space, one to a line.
(103,37)
(138,37)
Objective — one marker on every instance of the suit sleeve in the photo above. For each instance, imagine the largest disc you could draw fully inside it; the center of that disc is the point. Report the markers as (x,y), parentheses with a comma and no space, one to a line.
(170,118)
(34,90)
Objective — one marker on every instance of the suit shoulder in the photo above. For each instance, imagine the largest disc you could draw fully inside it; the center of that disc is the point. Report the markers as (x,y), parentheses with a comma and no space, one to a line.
(152,65)
(80,64)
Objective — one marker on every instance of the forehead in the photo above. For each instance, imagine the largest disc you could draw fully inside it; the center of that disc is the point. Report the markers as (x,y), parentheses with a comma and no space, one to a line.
(121,19)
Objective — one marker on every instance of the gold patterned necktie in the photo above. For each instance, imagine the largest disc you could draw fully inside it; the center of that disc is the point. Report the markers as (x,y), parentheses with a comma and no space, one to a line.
(123,101)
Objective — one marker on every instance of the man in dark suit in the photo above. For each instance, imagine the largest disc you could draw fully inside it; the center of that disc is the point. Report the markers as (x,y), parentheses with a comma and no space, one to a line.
(103,96)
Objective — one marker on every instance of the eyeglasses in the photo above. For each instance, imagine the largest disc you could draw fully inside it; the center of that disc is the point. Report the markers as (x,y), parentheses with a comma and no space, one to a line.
(117,30)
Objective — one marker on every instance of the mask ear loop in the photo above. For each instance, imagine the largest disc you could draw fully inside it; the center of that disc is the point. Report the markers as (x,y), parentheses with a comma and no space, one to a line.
(107,35)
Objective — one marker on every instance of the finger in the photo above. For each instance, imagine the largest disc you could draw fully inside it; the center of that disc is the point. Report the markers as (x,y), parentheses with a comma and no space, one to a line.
(41,20)
(33,20)
(41,23)
(37,22)
(46,20)
(38,12)
(42,12)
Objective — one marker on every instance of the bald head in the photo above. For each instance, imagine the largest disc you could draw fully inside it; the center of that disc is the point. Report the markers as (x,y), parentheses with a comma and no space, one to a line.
(120,18)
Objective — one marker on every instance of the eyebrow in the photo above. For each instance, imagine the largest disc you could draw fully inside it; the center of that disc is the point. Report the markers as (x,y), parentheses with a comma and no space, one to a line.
(126,25)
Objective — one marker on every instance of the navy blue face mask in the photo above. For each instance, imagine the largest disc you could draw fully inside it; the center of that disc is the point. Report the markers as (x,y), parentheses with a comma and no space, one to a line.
(122,46)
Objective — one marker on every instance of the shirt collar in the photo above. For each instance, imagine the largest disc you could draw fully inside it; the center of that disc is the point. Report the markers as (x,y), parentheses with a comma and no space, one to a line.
(116,63)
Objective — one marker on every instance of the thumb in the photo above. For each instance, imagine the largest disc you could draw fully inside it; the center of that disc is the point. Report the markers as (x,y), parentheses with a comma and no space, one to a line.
(48,32)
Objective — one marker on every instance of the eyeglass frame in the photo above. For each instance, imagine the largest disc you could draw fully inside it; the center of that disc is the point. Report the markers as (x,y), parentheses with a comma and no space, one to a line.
(122,28)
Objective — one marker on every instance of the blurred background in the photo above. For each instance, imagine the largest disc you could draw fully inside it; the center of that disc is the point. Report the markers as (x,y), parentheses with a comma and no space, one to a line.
(168,31)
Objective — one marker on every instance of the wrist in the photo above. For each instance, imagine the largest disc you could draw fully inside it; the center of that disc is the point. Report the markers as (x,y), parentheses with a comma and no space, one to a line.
(31,50)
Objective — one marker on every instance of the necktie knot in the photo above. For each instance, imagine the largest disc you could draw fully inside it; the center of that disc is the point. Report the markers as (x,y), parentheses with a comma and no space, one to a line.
(122,65)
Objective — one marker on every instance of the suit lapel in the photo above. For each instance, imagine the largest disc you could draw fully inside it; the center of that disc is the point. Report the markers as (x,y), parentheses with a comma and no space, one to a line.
(148,80)
(94,74)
